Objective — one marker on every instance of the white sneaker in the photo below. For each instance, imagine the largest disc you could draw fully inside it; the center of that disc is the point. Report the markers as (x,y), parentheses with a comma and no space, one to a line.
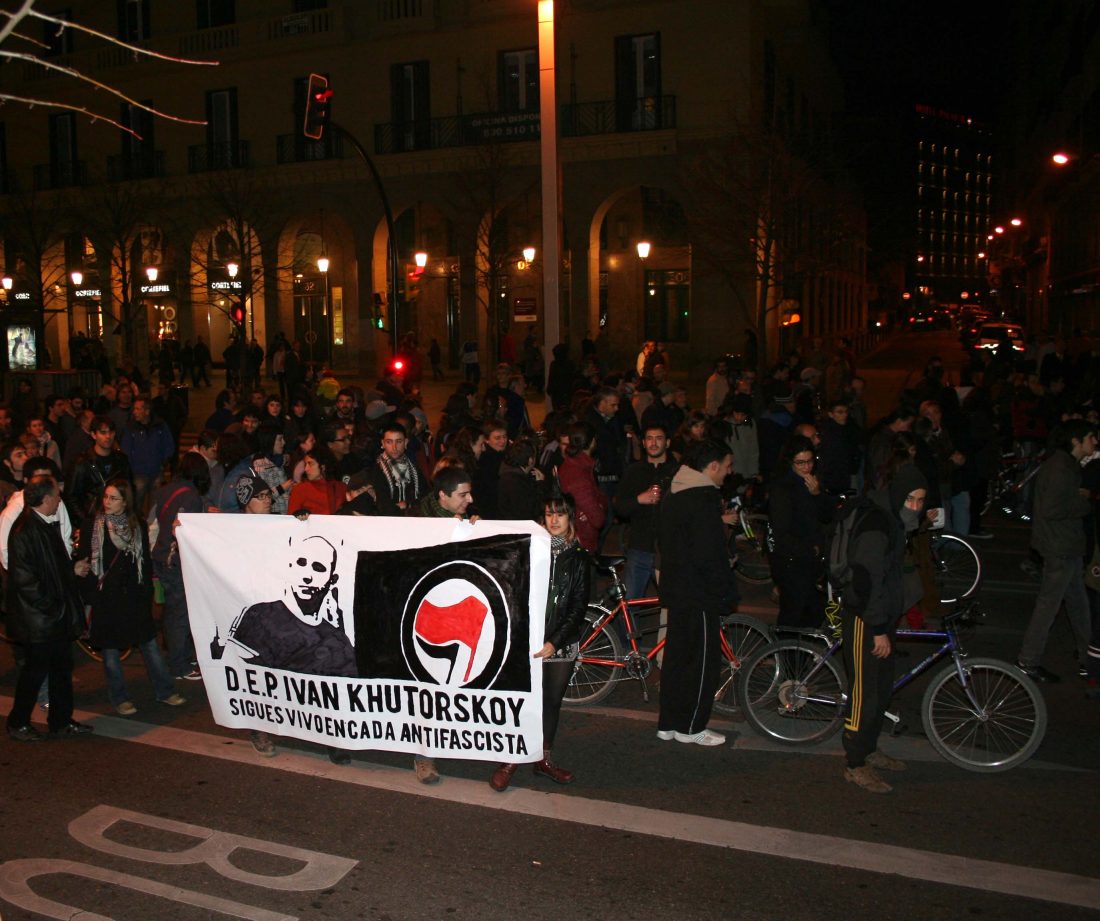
(666,735)
(706,737)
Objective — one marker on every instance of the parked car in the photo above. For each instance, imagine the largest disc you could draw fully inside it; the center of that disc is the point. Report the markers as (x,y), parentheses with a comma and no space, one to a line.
(924,319)
(994,335)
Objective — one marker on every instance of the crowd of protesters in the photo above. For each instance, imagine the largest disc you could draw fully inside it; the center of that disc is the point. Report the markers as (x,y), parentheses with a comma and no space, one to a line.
(616,448)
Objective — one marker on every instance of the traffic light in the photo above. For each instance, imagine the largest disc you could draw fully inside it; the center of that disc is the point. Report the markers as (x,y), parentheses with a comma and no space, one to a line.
(318,94)
(236,314)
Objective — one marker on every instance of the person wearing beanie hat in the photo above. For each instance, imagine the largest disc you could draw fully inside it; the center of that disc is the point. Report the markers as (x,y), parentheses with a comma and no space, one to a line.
(253,494)
(872,605)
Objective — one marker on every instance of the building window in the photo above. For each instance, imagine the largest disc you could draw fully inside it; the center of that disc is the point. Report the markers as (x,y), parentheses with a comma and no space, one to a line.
(133,20)
(519,80)
(411,106)
(638,82)
(62,148)
(222,138)
(209,14)
(667,305)
(769,84)
(57,39)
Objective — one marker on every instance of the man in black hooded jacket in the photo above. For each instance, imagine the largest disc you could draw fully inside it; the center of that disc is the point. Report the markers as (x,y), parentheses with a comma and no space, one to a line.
(871,607)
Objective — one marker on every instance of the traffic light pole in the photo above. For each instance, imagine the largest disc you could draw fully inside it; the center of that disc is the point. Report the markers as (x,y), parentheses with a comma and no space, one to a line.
(392,290)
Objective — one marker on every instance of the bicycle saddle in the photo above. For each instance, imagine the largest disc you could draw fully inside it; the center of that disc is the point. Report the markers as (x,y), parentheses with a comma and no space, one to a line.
(609,563)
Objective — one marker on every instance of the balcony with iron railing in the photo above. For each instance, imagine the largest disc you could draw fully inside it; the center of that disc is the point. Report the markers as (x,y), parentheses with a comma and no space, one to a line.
(62,175)
(613,116)
(148,165)
(651,113)
(294,148)
(204,158)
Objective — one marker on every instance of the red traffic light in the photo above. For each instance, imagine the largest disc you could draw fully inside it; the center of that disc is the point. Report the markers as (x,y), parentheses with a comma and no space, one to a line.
(236,314)
(398,365)
(318,94)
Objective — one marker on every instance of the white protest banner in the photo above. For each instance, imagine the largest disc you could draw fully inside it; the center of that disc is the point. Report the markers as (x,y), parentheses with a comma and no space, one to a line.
(405,634)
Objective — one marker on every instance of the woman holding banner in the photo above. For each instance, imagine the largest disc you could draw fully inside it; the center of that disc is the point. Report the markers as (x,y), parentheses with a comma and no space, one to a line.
(120,589)
(566,602)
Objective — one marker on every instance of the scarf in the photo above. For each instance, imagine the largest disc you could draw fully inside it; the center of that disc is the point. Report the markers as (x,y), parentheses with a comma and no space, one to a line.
(125,541)
(557,545)
(400,474)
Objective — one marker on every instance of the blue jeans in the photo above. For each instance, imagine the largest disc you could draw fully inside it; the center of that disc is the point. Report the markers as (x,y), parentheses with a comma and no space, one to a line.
(163,685)
(177,625)
(639,570)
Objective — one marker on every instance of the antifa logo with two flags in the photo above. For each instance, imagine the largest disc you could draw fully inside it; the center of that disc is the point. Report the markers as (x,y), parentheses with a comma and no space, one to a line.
(453,614)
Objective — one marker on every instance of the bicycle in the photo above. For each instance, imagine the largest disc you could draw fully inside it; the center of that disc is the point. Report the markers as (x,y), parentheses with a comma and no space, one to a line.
(981,714)
(749,547)
(1006,489)
(601,662)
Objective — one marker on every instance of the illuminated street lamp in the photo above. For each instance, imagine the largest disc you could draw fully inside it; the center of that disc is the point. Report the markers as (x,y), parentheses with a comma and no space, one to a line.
(151,273)
(7,281)
(232,269)
(322,264)
(981,255)
(1060,159)
(998,229)
(920,258)
(1015,222)
(420,258)
(528,254)
(77,278)
(643,249)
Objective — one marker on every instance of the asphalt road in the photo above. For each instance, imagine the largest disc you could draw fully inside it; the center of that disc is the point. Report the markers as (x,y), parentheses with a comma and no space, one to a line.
(650,829)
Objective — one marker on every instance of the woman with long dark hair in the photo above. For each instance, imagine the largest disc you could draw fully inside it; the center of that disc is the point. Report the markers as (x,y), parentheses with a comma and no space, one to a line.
(120,588)
(577,476)
(318,493)
(566,603)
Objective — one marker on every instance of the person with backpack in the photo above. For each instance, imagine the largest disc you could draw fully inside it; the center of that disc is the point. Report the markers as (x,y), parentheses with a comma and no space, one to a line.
(798,512)
(866,566)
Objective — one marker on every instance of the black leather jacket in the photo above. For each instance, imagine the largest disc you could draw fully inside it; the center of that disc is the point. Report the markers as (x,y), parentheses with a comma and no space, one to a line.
(567,599)
(42,597)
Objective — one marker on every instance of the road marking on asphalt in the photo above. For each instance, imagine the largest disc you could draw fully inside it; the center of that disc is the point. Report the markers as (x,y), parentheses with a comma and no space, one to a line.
(829,850)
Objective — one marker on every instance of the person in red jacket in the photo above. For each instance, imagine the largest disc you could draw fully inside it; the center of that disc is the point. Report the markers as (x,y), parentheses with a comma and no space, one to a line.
(577,476)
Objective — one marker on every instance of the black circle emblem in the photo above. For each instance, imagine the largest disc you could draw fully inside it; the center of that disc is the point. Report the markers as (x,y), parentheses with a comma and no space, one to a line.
(455,627)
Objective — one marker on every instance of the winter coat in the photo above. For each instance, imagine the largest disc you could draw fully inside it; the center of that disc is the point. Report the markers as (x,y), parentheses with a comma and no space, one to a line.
(577,476)
(876,554)
(567,600)
(695,566)
(122,608)
(42,595)
(1056,525)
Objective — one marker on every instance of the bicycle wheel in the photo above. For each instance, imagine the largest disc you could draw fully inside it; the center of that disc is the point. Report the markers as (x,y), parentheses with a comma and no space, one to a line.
(958,568)
(794,692)
(745,635)
(92,652)
(994,723)
(752,565)
(593,679)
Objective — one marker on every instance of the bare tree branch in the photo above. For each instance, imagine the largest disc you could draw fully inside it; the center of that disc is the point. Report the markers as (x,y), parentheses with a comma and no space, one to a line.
(138,50)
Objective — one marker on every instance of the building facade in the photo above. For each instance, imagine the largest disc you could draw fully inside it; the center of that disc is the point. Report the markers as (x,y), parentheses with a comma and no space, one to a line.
(954,161)
(231,207)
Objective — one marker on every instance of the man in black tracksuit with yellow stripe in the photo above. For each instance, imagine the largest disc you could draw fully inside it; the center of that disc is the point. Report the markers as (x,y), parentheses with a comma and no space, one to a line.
(871,608)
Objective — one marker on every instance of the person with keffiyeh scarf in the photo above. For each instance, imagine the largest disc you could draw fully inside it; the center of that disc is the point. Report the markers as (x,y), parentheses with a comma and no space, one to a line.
(120,591)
